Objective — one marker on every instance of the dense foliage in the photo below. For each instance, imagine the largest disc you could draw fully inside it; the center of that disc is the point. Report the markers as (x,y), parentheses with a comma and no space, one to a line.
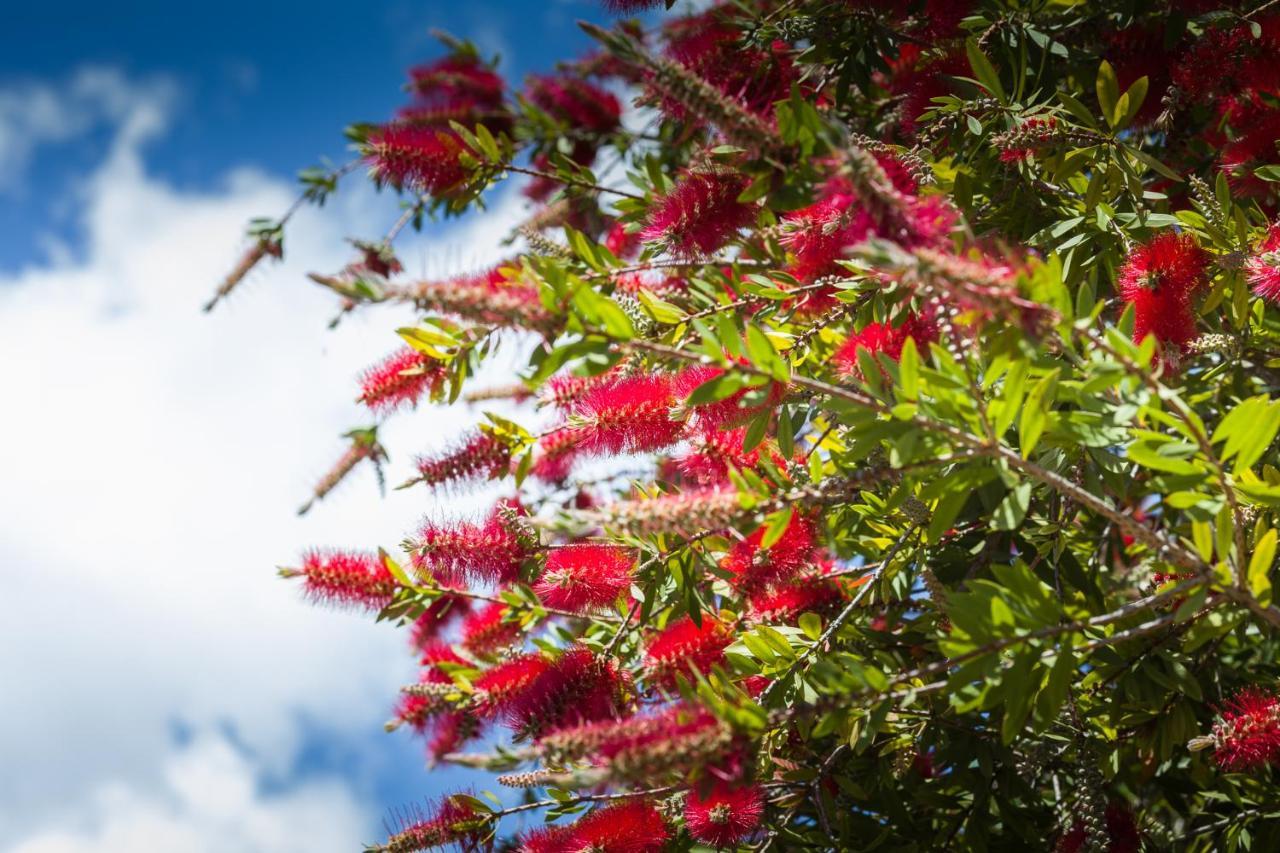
(897,466)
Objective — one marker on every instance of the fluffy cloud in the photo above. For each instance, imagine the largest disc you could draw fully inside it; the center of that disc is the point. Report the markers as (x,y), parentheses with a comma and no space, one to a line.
(152,460)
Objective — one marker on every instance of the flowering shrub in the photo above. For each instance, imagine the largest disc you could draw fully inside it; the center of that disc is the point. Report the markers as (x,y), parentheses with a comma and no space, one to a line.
(939,338)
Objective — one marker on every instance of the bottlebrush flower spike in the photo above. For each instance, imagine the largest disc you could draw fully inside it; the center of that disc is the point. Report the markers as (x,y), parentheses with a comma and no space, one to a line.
(498,686)
(715,450)
(683,513)
(364,445)
(577,687)
(700,214)
(577,103)
(346,578)
(885,338)
(402,378)
(564,390)
(436,617)
(558,449)
(490,297)
(725,815)
(459,551)
(1159,279)
(268,246)
(631,826)
(1247,737)
(784,604)
(453,821)
(420,158)
(1263,269)
(672,741)
(416,709)
(1122,834)
(480,456)
(628,415)
(460,77)
(684,647)
(756,568)
(729,412)
(626,7)
(623,243)
(487,629)
(449,731)
(583,578)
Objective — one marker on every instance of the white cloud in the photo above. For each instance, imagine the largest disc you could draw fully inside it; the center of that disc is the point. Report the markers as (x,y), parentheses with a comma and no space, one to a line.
(212,801)
(152,458)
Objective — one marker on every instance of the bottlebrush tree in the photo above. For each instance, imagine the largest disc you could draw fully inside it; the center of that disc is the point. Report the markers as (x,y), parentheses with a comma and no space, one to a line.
(931,354)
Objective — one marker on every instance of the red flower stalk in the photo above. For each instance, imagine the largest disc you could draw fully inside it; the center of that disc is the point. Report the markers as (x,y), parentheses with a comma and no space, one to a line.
(884,338)
(401,378)
(364,445)
(731,411)
(498,686)
(461,77)
(725,815)
(915,81)
(784,604)
(1159,279)
(460,551)
(480,457)
(346,578)
(674,740)
(452,821)
(685,646)
(577,687)
(490,298)
(576,103)
(624,7)
(420,158)
(817,235)
(1021,142)
(700,214)
(715,450)
(756,568)
(487,629)
(623,243)
(628,415)
(1263,269)
(437,616)
(631,826)
(1122,833)
(683,513)
(564,390)
(416,709)
(1248,735)
(583,578)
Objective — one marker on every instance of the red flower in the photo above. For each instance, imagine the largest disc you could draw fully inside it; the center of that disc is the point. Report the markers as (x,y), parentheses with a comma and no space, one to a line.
(577,103)
(715,450)
(1248,735)
(756,568)
(577,687)
(479,457)
(453,821)
(623,243)
(725,815)
(460,77)
(1159,279)
(784,604)
(700,214)
(685,646)
(489,297)
(558,450)
(628,415)
(459,551)
(346,578)
(1263,269)
(631,826)
(582,578)
(416,710)
(449,731)
(487,629)
(421,158)
(628,6)
(401,378)
(437,616)
(884,338)
(1121,831)
(498,686)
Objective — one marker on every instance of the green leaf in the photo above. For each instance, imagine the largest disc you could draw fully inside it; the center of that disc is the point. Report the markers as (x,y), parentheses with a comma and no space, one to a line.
(1035,412)
(1270,174)
(660,310)
(909,370)
(762,353)
(1013,509)
(811,624)
(1259,576)
(775,525)
(983,70)
(1133,98)
(1108,88)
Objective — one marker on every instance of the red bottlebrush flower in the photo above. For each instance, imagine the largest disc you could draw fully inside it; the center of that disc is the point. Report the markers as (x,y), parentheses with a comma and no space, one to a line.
(884,338)
(498,686)
(1248,735)
(401,378)
(914,82)
(583,578)
(479,457)
(564,390)
(715,450)
(459,551)
(631,826)
(624,7)
(1122,833)
(1263,269)
(416,710)
(1140,51)
(623,243)
(711,47)
(1159,279)
(449,731)
(725,815)
(486,629)
(756,568)
(683,513)
(577,687)
(784,604)
(346,578)
(557,451)
(490,297)
(461,77)
(452,821)
(628,415)
(685,646)
(729,412)
(421,158)
(576,102)
(817,235)
(1253,146)
(700,214)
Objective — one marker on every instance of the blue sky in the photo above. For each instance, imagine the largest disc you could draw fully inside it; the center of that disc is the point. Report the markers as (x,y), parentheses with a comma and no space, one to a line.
(163,690)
